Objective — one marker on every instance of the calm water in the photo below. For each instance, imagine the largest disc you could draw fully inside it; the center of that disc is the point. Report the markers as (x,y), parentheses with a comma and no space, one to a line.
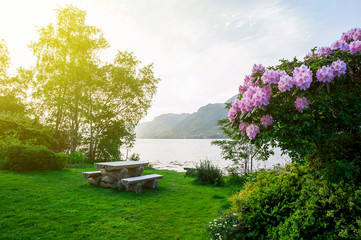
(174,154)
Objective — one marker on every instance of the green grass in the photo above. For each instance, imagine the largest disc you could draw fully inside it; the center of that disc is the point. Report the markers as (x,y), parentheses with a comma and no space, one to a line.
(62,205)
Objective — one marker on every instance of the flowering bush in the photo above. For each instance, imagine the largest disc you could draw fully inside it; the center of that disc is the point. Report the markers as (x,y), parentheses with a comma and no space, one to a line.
(297,105)
(223,227)
(291,203)
(311,109)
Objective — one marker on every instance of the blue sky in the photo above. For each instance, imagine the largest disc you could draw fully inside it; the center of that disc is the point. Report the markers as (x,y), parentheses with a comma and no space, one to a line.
(201,49)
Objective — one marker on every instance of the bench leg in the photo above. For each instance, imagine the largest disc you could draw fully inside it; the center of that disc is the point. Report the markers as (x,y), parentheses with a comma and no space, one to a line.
(94,180)
(140,171)
(120,185)
(151,184)
(138,187)
(105,185)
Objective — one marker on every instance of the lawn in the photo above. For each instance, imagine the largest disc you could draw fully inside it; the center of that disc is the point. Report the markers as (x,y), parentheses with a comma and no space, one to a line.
(62,205)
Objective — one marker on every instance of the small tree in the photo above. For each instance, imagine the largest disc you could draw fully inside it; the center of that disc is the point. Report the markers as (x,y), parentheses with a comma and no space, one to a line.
(90,105)
(239,150)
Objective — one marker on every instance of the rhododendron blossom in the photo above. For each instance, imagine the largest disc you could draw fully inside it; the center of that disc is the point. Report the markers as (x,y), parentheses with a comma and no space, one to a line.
(301,103)
(255,97)
(355,47)
(302,77)
(340,45)
(286,82)
(267,120)
(310,55)
(248,81)
(261,97)
(323,51)
(257,68)
(231,114)
(339,67)
(233,110)
(252,131)
(356,34)
(348,35)
(352,34)
(325,74)
(271,76)
(242,127)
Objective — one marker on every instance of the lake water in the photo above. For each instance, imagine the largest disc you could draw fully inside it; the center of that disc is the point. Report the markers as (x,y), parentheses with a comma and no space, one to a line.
(174,154)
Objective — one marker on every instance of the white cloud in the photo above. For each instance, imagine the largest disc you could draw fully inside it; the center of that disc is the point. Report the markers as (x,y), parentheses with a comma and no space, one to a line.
(201,49)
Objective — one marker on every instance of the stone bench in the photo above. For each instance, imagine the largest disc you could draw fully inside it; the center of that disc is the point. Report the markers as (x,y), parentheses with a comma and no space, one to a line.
(93,177)
(135,183)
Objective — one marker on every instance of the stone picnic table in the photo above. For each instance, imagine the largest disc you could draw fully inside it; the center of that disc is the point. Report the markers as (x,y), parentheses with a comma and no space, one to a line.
(122,175)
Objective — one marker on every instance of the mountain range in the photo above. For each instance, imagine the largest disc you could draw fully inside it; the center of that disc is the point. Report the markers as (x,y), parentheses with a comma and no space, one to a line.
(201,124)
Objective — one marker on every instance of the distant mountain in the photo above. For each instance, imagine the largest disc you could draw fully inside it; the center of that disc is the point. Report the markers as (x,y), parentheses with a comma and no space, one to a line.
(201,124)
(161,126)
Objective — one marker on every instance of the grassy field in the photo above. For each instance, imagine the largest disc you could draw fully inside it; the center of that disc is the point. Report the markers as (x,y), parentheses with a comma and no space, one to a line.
(62,205)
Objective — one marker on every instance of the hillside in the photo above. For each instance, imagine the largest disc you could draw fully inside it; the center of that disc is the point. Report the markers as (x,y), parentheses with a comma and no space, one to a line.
(161,126)
(201,124)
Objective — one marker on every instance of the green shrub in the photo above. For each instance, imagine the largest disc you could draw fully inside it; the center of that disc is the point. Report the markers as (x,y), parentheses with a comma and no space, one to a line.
(77,158)
(191,173)
(25,130)
(32,158)
(292,203)
(208,173)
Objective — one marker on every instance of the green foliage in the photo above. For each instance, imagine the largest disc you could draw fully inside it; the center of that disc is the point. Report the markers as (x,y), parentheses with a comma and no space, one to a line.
(208,173)
(135,157)
(338,158)
(77,158)
(113,136)
(11,104)
(25,130)
(191,173)
(32,158)
(294,204)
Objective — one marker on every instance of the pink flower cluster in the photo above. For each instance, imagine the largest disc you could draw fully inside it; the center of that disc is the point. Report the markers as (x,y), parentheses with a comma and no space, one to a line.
(257,68)
(323,51)
(233,110)
(271,76)
(302,103)
(352,34)
(340,45)
(286,82)
(267,120)
(255,97)
(252,131)
(339,67)
(242,127)
(302,77)
(355,47)
(248,82)
(350,40)
(325,74)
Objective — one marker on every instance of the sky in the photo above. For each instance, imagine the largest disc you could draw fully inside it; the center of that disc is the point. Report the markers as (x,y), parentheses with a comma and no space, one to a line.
(201,49)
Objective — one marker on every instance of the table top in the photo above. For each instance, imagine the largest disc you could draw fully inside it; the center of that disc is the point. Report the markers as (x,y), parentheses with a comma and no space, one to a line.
(119,165)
